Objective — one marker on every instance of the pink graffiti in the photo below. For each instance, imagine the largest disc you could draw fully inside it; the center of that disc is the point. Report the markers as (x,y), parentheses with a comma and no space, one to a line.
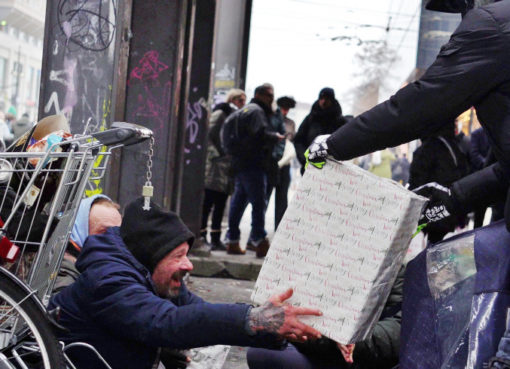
(155,105)
(154,102)
(149,67)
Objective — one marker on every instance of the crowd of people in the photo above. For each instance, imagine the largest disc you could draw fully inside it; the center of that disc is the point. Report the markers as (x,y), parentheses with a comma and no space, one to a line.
(250,163)
(250,151)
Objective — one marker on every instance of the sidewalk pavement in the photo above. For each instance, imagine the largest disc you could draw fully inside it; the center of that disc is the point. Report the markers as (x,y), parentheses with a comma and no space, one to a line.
(218,290)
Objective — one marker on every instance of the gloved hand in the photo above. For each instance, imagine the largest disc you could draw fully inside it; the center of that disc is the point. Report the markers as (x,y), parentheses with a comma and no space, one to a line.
(317,152)
(439,213)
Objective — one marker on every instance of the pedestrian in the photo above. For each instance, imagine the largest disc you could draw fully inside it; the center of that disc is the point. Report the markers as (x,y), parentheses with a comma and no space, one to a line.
(281,171)
(21,126)
(439,160)
(470,70)
(218,176)
(324,118)
(130,299)
(284,103)
(249,140)
(400,169)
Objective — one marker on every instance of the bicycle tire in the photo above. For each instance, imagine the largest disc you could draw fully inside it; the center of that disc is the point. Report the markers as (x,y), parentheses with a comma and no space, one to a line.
(49,353)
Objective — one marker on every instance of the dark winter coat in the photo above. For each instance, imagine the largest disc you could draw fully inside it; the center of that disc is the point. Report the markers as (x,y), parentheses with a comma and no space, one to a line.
(479,149)
(318,122)
(472,69)
(113,306)
(381,350)
(438,159)
(217,164)
(257,137)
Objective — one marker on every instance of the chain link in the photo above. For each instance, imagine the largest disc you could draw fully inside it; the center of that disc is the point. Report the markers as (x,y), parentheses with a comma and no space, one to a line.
(149,160)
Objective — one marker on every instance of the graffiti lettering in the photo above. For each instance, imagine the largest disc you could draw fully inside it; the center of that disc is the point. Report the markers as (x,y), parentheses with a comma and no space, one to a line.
(194,113)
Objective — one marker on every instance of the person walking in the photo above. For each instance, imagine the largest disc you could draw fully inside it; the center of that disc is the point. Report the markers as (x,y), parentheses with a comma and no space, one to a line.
(249,140)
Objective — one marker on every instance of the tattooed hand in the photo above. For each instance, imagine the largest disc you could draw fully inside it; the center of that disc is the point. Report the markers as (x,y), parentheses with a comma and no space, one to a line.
(280,318)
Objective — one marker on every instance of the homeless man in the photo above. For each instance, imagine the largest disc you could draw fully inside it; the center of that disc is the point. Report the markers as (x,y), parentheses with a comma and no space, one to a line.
(130,298)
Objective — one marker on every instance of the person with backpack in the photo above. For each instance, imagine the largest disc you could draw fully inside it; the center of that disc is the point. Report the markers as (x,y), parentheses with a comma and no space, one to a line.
(249,140)
(218,181)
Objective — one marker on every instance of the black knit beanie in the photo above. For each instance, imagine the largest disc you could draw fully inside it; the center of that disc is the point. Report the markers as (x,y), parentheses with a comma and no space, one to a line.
(151,234)
(328,93)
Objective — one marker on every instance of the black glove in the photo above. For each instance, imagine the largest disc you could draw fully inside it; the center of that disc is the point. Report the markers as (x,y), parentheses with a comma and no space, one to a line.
(439,213)
(173,359)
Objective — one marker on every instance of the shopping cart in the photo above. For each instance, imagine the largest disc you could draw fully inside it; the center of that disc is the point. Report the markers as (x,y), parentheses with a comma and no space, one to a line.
(40,192)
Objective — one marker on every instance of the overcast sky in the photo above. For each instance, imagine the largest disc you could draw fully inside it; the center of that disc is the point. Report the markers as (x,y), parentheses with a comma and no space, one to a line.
(291,46)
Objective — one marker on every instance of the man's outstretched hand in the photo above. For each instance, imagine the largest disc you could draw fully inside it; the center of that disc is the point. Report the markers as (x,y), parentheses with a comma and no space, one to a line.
(347,351)
(280,318)
(317,152)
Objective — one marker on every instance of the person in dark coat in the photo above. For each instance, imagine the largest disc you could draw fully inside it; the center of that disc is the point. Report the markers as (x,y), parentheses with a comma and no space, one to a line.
(439,160)
(281,183)
(217,169)
(470,70)
(130,299)
(380,351)
(251,158)
(285,103)
(324,118)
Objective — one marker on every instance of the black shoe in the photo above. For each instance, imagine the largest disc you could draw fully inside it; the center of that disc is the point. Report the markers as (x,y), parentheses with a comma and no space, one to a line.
(201,248)
(218,246)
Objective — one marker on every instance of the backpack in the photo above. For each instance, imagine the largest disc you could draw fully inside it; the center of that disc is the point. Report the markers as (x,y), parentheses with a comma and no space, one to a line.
(233,133)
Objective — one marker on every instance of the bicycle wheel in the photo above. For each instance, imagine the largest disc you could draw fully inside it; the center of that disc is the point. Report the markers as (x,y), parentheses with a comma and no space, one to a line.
(26,336)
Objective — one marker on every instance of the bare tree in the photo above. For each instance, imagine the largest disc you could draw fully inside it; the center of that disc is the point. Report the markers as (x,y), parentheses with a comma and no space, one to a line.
(374,61)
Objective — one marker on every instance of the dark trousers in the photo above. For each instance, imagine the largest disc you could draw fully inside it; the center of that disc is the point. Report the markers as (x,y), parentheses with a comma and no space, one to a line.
(291,358)
(249,187)
(216,200)
(281,187)
(281,194)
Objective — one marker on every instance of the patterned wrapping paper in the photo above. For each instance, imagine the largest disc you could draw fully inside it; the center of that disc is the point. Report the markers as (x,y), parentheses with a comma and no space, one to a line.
(340,245)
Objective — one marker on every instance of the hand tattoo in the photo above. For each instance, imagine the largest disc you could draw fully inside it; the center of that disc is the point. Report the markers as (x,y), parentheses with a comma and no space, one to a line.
(268,318)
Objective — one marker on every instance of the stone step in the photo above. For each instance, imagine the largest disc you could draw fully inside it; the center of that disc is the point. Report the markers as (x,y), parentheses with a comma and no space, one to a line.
(221,264)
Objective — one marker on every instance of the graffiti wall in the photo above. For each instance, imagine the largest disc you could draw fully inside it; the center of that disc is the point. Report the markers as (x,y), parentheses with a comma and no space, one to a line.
(78,65)
(149,95)
(79,57)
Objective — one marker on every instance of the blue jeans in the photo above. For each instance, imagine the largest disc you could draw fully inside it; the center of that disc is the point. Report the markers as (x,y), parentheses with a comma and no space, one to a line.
(250,187)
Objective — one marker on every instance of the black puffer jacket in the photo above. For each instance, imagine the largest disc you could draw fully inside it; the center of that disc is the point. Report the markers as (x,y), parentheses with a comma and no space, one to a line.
(440,160)
(472,69)
(318,122)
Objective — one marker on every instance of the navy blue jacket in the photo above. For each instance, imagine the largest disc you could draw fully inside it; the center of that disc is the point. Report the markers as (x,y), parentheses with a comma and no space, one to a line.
(113,306)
